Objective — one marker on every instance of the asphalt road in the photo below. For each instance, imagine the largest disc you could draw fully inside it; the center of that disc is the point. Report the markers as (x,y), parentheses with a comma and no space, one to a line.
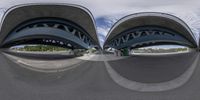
(90,81)
(153,69)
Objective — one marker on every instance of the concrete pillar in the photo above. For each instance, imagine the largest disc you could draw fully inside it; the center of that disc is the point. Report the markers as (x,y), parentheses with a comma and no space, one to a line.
(197,49)
(71,52)
(121,52)
(115,52)
(129,51)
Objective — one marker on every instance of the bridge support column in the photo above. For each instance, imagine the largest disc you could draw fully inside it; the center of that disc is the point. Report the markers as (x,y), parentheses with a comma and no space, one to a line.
(125,51)
(129,51)
(197,49)
(118,52)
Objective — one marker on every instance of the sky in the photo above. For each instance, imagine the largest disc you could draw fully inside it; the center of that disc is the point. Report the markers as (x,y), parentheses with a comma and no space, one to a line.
(107,12)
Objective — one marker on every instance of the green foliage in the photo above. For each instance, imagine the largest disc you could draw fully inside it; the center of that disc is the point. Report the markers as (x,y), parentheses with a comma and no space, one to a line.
(41,48)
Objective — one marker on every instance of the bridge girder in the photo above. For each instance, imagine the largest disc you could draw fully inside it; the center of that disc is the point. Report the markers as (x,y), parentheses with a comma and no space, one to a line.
(156,28)
(33,20)
(51,28)
(145,35)
(46,40)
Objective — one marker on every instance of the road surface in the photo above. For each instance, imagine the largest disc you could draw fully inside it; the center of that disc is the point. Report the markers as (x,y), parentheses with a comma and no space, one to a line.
(91,81)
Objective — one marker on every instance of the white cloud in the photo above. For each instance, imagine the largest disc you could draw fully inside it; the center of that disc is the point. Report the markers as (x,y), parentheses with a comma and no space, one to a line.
(190,16)
(184,9)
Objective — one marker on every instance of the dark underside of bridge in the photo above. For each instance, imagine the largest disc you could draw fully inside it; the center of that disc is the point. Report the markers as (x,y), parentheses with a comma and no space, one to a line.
(43,41)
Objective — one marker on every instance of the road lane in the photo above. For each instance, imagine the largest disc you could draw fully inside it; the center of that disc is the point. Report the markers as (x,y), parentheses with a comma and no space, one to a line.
(45,65)
(89,81)
(155,68)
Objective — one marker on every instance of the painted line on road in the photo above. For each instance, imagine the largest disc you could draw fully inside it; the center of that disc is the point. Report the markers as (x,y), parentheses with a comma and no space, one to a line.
(152,87)
(45,70)
(54,70)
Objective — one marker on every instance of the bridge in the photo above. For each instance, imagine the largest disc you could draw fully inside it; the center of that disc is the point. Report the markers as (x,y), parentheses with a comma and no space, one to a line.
(151,28)
(64,25)
(58,76)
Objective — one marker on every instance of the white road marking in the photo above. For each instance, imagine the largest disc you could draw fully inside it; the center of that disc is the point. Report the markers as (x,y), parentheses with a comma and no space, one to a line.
(152,87)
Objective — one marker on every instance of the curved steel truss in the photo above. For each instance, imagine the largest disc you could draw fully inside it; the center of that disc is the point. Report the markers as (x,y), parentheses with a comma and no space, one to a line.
(147,35)
(66,31)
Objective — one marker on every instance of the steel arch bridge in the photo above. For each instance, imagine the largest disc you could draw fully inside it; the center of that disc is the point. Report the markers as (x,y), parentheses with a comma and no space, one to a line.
(145,29)
(54,24)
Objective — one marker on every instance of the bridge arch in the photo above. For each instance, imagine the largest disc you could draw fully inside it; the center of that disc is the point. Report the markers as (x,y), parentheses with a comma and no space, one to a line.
(66,22)
(149,28)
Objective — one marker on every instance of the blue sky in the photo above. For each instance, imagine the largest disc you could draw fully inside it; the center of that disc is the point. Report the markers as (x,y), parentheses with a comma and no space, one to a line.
(107,12)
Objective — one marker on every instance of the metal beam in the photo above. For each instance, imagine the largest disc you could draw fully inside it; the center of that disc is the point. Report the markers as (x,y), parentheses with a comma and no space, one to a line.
(151,19)
(17,15)
(40,28)
(140,36)
(45,32)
